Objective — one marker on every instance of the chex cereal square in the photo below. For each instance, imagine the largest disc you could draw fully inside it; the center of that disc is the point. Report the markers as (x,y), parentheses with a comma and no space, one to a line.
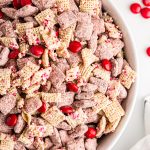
(102,102)
(114,111)
(127,76)
(4,80)
(54,116)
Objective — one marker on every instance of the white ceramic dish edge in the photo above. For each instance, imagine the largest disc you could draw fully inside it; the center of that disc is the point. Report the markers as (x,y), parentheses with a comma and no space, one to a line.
(109,141)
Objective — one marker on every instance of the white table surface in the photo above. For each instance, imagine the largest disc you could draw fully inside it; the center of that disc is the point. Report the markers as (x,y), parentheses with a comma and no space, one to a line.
(141,32)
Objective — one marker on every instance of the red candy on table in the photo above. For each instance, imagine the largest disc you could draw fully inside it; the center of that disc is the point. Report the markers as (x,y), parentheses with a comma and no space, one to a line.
(13,54)
(91,133)
(146,2)
(16,4)
(37,50)
(42,109)
(72,87)
(148,51)
(135,8)
(1,15)
(26,2)
(67,109)
(11,120)
(75,46)
(145,12)
(106,64)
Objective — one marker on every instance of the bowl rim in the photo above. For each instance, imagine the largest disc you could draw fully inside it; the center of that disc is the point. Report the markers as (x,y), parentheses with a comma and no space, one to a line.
(136,68)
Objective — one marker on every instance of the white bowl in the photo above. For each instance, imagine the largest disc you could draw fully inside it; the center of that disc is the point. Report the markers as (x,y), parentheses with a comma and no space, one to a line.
(109,141)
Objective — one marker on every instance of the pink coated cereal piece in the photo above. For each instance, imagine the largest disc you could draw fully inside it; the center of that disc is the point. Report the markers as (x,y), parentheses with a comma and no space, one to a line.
(64,126)
(7,103)
(99,26)
(64,137)
(84,95)
(120,64)
(32,104)
(7,29)
(92,116)
(57,76)
(43,4)
(93,119)
(84,103)
(66,19)
(10,12)
(48,3)
(38,4)
(84,31)
(63,65)
(67,99)
(55,138)
(77,144)
(31,19)
(4,56)
(123,92)
(116,67)
(25,11)
(84,17)
(11,64)
(61,89)
(5,2)
(74,59)
(20,125)
(37,121)
(102,84)
(89,87)
(105,50)
(117,46)
(79,131)
(91,144)
(92,43)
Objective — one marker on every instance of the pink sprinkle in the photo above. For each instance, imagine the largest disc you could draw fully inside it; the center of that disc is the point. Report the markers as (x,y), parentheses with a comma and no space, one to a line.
(38,41)
(41,129)
(45,22)
(75,116)
(46,76)
(14,94)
